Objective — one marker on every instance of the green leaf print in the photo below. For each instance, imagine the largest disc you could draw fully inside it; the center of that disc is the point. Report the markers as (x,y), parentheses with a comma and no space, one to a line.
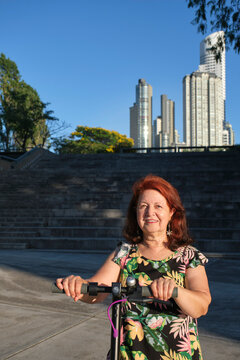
(155,321)
(123,277)
(143,279)
(132,265)
(128,340)
(143,309)
(155,339)
(125,353)
(131,314)
(139,355)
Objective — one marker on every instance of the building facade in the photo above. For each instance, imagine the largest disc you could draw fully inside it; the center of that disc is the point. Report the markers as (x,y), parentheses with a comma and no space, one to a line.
(228,134)
(164,125)
(156,131)
(208,62)
(168,120)
(202,109)
(141,116)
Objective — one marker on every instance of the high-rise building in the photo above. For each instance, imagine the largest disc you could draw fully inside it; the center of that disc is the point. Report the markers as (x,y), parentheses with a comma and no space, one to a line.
(208,62)
(164,125)
(141,116)
(177,138)
(202,109)
(156,132)
(168,120)
(204,96)
(228,134)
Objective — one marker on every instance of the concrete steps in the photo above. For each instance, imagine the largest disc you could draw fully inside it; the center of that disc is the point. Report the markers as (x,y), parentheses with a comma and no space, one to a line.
(80,201)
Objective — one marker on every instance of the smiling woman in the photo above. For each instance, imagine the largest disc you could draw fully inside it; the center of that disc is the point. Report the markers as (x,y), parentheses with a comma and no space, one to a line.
(162,258)
(153,214)
(155,193)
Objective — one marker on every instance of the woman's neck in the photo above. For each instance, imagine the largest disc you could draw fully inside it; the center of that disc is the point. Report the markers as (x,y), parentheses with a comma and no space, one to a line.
(155,247)
(155,242)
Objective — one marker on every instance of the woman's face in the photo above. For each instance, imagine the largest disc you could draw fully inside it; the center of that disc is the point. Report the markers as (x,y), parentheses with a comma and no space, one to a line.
(153,213)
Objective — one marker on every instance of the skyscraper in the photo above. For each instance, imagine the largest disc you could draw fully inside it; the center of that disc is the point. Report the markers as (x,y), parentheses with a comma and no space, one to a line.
(168,120)
(164,125)
(204,95)
(156,132)
(208,62)
(141,116)
(228,134)
(202,109)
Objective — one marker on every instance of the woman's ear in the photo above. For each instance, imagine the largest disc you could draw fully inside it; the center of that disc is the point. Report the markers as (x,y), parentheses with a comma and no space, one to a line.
(172,212)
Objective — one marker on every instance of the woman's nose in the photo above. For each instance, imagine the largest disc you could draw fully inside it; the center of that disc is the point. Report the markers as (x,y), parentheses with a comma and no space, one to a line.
(150,210)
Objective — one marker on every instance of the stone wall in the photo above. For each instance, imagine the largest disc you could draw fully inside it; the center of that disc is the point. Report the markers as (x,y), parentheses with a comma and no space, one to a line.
(80,201)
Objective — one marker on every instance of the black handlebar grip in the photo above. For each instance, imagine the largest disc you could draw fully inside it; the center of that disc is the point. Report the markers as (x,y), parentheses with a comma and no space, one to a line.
(146,291)
(175,292)
(84,288)
(56,290)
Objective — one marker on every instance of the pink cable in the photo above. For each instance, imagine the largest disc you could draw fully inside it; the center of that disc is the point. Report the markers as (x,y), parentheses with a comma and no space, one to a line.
(115,331)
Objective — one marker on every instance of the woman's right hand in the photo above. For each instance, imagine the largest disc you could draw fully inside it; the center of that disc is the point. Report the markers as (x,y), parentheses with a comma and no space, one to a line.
(72,286)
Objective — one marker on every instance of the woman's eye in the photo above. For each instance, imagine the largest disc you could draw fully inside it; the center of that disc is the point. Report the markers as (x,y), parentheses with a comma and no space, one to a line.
(142,206)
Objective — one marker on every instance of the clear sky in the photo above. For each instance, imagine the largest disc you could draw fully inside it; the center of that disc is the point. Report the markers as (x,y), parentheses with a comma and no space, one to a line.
(85,56)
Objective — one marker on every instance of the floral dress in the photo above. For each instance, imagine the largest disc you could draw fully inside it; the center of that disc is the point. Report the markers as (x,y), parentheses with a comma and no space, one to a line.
(155,331)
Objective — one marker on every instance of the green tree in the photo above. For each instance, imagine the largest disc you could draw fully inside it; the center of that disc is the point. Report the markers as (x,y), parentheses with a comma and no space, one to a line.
(220,15)
(23,116)
(9,78)
(91,140)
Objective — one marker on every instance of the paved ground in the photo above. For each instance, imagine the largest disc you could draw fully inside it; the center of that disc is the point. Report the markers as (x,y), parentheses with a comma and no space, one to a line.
(36,324)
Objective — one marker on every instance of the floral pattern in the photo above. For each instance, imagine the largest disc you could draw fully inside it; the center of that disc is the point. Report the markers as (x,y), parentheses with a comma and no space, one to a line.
(156,331)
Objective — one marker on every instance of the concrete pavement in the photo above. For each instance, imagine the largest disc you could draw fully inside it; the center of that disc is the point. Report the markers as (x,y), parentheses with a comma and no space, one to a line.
(34,323)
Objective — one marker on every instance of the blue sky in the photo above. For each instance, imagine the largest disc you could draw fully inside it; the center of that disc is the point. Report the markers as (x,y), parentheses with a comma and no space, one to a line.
(85,56)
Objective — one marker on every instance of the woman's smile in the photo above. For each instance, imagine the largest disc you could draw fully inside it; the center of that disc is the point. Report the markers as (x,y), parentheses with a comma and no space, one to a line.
(153,213)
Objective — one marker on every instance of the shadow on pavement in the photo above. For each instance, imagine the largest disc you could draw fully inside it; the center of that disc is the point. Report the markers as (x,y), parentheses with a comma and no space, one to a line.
(27,272)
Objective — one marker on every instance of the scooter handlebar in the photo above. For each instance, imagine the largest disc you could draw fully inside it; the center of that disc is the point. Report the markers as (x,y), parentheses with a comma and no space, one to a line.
(56,290)
(146,290)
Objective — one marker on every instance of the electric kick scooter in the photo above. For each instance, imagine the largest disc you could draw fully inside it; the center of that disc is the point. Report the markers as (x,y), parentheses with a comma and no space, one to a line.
(131,293)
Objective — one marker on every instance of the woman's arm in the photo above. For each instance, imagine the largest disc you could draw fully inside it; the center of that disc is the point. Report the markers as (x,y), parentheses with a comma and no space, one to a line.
(192,300)
(108,273)
(195,298)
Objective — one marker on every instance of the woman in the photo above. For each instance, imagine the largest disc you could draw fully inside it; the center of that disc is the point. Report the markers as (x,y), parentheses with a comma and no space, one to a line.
(158,253)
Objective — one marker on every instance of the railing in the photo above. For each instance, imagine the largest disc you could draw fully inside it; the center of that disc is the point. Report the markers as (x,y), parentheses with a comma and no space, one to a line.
(178,149)
(170,149)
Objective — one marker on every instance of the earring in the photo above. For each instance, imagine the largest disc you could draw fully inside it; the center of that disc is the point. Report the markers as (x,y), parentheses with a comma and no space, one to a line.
(169,232)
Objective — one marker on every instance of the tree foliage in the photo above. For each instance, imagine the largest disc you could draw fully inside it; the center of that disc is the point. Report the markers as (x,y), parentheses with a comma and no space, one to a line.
(23,116)
(91,140)
(220,15)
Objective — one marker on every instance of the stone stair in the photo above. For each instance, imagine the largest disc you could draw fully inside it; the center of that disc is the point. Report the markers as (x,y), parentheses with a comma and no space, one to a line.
(80,201)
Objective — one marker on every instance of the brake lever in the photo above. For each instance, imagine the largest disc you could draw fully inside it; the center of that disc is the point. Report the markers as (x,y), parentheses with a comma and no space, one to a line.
(148,300)
(137,297)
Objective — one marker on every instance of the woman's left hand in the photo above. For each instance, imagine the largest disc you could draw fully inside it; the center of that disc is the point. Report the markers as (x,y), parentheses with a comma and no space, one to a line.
(162,289)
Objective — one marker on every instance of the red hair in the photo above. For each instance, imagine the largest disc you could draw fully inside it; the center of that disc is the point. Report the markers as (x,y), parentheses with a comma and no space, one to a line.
(178,224)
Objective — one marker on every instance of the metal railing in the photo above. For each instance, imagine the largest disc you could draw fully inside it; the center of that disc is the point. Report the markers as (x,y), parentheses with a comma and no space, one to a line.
(180,149)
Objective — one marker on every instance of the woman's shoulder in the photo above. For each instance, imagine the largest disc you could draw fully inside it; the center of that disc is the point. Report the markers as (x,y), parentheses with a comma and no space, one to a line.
(190,256)
(122,251)
(123,248)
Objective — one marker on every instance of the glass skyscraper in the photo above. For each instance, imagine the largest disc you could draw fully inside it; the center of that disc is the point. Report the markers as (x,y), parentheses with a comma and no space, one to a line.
(202,109)
(204,95)
(208,63)
(141,116)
